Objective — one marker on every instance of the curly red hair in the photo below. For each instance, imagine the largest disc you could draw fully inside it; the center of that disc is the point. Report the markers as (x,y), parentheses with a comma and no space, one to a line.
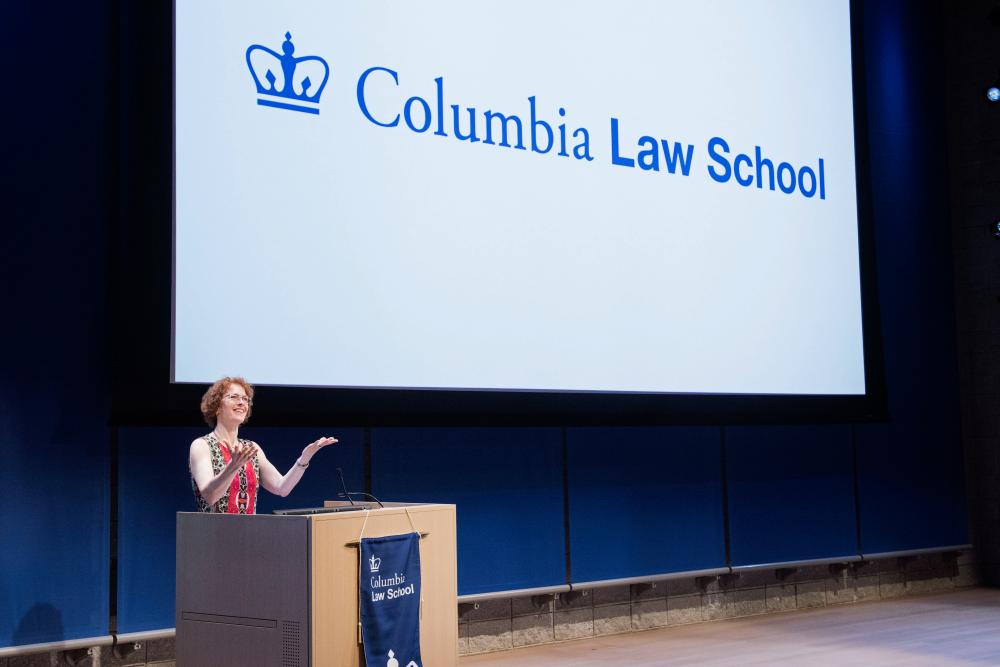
(212,399)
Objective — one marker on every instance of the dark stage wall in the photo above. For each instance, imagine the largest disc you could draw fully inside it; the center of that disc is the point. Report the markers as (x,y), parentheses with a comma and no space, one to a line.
(89,514)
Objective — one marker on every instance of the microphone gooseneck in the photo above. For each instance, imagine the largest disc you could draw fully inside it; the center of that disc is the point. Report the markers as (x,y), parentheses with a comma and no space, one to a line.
(368,495)
(345,493)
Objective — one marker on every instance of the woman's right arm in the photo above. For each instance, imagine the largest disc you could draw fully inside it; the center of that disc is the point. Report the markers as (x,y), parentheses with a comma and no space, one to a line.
(212,486)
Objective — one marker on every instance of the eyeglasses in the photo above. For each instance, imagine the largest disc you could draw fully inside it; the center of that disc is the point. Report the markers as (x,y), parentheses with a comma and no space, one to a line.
(237,398)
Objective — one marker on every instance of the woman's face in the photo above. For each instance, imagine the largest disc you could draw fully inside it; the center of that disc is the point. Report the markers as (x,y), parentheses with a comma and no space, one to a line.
(235,403)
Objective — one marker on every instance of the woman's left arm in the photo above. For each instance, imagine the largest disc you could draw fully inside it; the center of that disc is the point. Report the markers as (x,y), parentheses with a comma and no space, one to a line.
(282,485)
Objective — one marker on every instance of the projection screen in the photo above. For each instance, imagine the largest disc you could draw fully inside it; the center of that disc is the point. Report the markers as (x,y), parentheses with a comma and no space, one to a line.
(637,196)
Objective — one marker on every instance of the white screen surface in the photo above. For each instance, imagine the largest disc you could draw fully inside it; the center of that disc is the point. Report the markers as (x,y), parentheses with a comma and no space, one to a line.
(349,248)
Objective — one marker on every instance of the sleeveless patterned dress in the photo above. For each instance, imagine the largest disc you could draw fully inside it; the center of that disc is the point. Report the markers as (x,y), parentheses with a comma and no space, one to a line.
(241,496)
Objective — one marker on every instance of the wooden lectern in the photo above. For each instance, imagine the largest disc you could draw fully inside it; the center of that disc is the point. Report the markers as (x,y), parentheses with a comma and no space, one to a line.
(282,590)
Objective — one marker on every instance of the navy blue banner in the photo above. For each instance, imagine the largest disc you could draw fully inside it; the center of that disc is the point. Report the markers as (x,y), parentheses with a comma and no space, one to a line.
(390,600)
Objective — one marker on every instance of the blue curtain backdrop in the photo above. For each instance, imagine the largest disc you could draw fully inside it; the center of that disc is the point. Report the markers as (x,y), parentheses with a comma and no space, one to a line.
(508,486)
(54,410)
(55,518)
(791,493)
(910,470)
(644,501)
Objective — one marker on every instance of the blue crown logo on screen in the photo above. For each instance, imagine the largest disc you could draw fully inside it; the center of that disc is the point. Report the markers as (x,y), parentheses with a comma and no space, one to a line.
(284,81)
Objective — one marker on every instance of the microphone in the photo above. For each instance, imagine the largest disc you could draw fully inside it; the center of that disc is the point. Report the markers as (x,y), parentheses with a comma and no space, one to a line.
(347,494)
(343,485)
(362,493)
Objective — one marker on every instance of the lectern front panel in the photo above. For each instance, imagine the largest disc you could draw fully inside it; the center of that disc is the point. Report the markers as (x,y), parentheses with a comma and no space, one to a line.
(242,590)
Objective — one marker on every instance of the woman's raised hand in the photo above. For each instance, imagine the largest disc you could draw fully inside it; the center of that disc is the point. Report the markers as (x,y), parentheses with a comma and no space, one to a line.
(241,453)
(315,446)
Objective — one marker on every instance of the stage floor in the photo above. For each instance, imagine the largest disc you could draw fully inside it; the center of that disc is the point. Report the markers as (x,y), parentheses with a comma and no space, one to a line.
(960,628)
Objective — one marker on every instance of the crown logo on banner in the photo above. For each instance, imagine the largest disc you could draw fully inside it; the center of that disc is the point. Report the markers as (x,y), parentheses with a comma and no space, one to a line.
(284,81)
(392,662)
(374,564)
